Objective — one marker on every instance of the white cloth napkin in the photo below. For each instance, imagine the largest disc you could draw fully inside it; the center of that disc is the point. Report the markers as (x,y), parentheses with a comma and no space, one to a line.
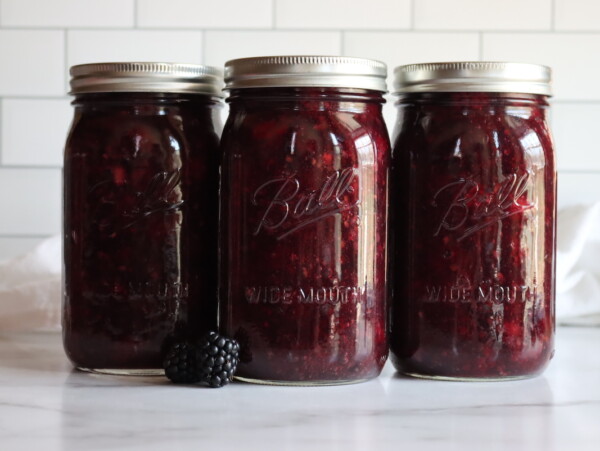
(578,266)
(30,293)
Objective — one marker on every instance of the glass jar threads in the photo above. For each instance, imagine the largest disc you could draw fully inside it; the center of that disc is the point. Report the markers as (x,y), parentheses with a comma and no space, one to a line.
(140,209)
(472,221)
(303,219)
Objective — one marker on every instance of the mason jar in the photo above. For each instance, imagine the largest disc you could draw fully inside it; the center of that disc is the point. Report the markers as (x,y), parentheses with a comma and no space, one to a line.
(140,212)
(472,221)
(303,219)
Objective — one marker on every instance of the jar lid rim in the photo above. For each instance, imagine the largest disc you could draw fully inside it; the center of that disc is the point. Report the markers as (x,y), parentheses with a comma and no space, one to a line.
(146,77)
(473,76)
(298,71)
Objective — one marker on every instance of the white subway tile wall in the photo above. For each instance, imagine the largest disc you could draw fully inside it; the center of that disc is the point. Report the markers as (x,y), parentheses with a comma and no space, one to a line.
(225,45)
(405,47)
(333,14)
(573,57)
(67,13)
(576,15)
(575,127)
(33,199)
(483,15)
(33,131)
(205,14)
(135,45)
(39,39)
(33,62)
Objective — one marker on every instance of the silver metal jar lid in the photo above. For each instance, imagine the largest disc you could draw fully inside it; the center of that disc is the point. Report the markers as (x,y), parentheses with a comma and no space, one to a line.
(146,77)
(473,76)
(305,71)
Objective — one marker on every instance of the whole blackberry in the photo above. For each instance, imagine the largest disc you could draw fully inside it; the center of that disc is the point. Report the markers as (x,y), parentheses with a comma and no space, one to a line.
(182,363)
(219,357)
(212,359)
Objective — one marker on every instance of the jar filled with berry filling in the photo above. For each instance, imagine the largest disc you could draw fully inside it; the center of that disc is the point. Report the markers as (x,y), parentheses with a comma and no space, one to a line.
(303,211)
(140,212)
(472,221)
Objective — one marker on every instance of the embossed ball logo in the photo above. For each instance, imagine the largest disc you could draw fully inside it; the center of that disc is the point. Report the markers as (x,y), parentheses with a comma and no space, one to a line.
(122,205)
(467,208)
(286,206)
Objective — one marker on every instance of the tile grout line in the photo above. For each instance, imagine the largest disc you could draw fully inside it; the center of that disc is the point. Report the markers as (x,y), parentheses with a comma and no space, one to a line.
(20,167)
(503,31)
(14,235)
(203,46)
(36,97)
(413,4)
(1,131)
(273,14)
(552,15)
(65,61)
(579,171)
(135,14)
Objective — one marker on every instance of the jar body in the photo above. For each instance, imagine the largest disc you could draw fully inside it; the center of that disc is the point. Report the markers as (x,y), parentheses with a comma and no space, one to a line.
(303,234)
(140,209)
(473,189)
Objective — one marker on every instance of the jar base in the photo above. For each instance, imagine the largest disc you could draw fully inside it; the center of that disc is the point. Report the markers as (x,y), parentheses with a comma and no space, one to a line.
(466,378)
(124,372)
(298,383)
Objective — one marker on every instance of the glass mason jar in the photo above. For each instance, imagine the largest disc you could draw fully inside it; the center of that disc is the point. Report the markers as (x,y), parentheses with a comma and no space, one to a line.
(472,221)
(303,211)
(140,212)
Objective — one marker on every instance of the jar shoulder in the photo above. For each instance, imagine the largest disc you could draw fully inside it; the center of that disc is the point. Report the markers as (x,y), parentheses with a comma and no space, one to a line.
(133,134)
(439,134)
(300,130)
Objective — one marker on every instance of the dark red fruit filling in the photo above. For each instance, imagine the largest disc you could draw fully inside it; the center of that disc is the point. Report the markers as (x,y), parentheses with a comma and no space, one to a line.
(473,236)
(304,246)
(141,202)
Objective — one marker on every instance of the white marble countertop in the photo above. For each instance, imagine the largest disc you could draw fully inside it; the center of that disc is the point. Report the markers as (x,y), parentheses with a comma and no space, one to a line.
(45,405)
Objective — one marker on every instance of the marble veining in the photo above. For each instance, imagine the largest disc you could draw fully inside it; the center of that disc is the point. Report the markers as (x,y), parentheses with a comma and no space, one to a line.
(44,404)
